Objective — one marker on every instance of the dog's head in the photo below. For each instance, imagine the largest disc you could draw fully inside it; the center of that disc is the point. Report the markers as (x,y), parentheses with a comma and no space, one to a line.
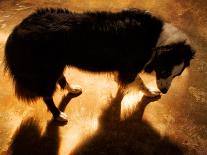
(172,55)
(170,62)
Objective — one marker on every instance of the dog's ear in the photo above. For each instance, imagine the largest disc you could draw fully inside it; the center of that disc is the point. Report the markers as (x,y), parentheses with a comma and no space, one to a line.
(186,52)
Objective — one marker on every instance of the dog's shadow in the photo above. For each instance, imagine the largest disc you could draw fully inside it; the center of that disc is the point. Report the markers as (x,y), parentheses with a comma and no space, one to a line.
(131,136)
(29,139)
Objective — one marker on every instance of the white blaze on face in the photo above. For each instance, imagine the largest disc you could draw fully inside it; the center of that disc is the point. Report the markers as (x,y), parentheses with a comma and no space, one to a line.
(165,83)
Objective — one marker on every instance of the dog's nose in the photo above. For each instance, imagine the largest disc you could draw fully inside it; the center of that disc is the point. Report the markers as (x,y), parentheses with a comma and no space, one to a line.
(164,90)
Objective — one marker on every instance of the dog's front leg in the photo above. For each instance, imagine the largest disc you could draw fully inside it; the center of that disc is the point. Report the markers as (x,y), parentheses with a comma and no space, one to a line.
(139,82)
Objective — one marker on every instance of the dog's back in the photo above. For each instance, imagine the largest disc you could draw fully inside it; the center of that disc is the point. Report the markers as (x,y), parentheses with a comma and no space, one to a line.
(40,47)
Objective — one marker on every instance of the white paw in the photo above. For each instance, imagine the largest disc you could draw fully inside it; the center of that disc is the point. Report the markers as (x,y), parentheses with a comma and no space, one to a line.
(74,89)
(153,94)
(62,117)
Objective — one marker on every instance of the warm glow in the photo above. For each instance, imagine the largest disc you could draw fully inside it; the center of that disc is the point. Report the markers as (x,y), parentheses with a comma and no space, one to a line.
(3,36)
(129,103)
(134,96)
(72,137)
(76,135)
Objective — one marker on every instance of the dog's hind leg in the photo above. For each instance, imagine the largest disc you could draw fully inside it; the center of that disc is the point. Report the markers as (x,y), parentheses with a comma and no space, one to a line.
(62,82)
(57,114)
(139,82)
(73,89)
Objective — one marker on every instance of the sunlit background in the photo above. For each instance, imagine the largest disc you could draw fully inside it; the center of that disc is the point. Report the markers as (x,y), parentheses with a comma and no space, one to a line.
(100,121)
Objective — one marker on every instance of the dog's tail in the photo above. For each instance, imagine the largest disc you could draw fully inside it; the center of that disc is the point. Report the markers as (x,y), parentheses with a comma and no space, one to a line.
(11,65)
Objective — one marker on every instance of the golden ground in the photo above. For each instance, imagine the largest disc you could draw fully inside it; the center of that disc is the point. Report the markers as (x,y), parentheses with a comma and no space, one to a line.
(99,121)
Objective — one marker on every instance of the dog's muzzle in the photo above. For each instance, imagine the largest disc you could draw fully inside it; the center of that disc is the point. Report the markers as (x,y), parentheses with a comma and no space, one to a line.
(164,84)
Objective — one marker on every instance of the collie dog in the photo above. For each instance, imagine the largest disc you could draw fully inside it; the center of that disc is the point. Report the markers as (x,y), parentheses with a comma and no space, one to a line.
(128,42)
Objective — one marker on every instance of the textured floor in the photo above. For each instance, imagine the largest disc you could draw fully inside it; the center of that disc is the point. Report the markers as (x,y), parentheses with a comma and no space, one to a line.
(100,121)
